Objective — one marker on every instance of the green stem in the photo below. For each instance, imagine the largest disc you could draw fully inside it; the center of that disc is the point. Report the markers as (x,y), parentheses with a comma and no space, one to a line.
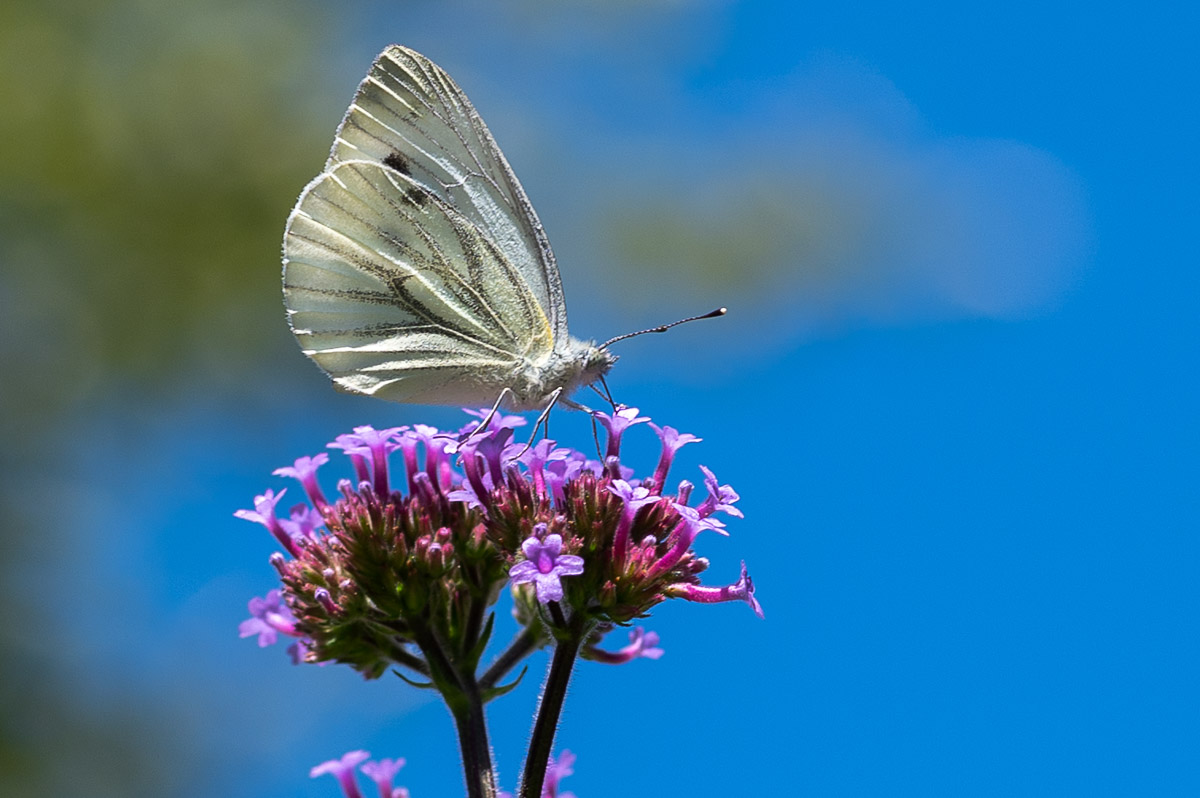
(474,624)
(473,741)
(524,644)
(463,698)
(402,657)
(555,692)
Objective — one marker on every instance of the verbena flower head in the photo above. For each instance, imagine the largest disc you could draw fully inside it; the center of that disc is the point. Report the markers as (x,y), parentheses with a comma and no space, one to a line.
(384,564)
(397,566)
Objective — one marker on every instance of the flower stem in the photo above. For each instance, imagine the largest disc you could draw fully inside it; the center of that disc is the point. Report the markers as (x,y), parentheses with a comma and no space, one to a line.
(541,743)
(524,644)
(462,695)
(473,741)
(474,624)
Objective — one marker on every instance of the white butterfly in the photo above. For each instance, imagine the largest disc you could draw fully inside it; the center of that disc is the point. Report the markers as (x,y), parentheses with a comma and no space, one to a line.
(414,267)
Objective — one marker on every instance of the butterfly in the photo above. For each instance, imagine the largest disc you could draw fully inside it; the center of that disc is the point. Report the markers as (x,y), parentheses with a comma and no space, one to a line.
(414,266)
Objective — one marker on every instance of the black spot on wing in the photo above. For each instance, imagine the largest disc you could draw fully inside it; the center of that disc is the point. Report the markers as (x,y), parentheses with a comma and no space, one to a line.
(416,196)
(399,162)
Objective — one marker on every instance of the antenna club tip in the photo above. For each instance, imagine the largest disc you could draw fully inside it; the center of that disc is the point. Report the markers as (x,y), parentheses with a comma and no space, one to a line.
(712,314)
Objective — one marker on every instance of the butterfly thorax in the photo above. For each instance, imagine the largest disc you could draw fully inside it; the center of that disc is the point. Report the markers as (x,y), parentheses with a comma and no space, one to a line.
(568,367)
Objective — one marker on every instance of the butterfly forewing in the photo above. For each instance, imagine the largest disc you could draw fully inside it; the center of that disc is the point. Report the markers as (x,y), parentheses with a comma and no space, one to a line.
(410,116)
(397,294)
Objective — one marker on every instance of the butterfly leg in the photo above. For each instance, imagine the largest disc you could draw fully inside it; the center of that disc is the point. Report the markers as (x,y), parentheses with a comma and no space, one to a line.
(605,394)
(596,438)
(544,418)
(491,414)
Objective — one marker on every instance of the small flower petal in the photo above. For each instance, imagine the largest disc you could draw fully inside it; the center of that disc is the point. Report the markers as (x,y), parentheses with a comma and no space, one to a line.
(342,770)
(382,773)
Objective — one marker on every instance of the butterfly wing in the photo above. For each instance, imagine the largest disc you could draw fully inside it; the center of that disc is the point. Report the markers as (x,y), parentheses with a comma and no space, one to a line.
(396,293)
(411,116)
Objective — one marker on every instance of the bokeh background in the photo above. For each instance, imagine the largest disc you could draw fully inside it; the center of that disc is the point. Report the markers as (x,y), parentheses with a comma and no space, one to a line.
(956,388)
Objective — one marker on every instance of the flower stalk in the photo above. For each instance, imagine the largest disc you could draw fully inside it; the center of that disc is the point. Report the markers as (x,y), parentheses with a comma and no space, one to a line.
(554,693)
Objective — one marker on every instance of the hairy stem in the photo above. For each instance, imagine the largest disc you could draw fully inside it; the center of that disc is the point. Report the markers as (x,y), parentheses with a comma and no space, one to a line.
(473,742)
(554,693)
(463,697)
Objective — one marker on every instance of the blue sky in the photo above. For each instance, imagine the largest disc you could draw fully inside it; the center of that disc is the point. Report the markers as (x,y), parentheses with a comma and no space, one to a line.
(956,391)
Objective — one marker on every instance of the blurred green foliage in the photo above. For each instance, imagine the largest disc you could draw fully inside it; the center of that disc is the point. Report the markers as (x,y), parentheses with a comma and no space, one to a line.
(149,153)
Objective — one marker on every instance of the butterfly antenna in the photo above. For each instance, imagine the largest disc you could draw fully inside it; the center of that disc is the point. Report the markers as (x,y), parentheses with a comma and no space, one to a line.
(712,314)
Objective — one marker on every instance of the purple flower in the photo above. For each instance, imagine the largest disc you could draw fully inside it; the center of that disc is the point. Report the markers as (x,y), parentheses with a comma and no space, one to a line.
(437,464)
(672,440)
(305,470)
(494,448)
(633,499)
(496,420)
(557,770)
(685,492)
(560,472)
(720,497)
(351,445)
(268,617)
(299,650)
(622,419)
(382,773)
(376,444)
(690,525)
(641,644)
(303,523)
(545,566)
(407,443)
(742,590)
(466,494)
(536,457)
(342,770)
(264,513)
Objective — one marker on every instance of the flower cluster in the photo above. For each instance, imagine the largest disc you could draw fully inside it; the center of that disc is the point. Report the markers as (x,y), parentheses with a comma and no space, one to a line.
(403,573)
(401,568)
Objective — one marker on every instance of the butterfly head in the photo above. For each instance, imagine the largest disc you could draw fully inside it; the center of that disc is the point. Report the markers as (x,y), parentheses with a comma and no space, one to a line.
(569,367)
(595,361)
